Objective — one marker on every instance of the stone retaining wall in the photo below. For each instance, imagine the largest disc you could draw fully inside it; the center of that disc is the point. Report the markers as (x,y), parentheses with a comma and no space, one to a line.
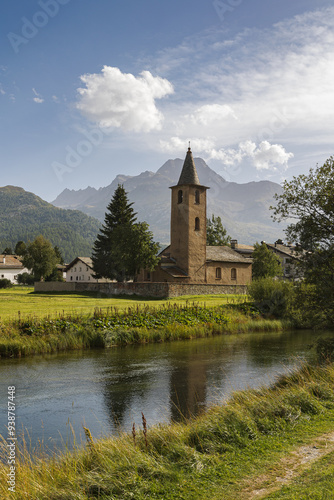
(159,290)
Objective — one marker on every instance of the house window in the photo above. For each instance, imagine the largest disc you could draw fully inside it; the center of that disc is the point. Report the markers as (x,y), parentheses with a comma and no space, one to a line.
(197,197)
(77,278)
(233,274)
(2,276)
(75,269)
(180,196)
(197,225)
(218,273)
(88,278)
(147,276)
(79,269)
(71,278)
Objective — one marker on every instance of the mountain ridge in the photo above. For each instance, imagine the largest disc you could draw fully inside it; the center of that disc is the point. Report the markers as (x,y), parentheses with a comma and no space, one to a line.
(24,216)
(243,208)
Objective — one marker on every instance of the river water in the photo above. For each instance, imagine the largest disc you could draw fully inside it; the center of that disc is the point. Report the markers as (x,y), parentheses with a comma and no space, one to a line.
(106,390)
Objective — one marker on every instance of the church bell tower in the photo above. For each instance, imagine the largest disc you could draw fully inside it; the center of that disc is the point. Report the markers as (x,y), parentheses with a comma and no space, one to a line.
(188,222)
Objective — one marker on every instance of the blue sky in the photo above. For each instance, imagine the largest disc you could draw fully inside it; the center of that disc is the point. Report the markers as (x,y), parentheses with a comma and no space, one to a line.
(89,90)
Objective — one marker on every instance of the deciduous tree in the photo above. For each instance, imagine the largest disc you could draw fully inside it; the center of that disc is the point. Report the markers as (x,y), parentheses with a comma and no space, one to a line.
(40,258)
(307,202)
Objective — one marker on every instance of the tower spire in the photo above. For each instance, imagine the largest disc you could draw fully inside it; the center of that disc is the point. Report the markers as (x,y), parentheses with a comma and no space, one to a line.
(188,173)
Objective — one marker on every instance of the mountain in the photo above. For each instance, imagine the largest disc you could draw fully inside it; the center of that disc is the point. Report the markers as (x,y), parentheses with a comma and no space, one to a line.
(23,216)
(243,208)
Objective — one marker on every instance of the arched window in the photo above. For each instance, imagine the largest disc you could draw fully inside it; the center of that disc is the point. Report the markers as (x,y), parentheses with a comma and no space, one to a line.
(197,197)
(180,196)
(218,273)
(233,273)
(197,225)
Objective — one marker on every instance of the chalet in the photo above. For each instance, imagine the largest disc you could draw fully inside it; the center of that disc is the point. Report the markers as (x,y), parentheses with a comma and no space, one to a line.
(80,269)
(288,257)
(11,267)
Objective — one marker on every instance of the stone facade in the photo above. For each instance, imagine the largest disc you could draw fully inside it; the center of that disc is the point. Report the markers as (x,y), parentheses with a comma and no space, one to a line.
(159,290)
(188,230)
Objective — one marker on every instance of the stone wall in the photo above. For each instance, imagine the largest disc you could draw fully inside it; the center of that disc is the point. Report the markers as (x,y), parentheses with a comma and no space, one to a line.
(158,290)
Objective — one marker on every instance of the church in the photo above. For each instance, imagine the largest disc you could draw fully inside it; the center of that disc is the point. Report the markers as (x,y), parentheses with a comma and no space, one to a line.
(188,259)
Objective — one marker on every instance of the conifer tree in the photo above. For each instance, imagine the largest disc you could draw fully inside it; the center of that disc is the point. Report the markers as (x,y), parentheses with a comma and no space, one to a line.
(123,246)
(216,234)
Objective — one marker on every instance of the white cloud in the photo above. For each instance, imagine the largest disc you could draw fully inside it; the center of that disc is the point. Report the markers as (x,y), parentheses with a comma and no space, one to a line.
(264,156)
(179,145)
(274,84)
(121,100)
(209,114)
(38,99)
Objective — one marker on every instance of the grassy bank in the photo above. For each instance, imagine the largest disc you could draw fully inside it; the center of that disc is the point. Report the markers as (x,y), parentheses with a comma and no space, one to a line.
(112,327)
(257,445)
(23,302)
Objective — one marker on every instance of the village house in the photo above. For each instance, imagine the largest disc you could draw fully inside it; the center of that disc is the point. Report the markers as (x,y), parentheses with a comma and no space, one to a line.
(11,267)
(80,269)
(188,259)
(288,257)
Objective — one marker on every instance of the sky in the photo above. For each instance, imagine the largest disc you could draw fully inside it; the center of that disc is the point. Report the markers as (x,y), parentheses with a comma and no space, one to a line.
(92,89)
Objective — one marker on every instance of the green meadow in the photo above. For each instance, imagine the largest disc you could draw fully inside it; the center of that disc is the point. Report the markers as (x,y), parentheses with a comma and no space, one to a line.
(24,302)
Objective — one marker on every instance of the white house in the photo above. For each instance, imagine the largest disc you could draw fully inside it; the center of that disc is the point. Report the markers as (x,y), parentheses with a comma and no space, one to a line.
(11,267)
(80,269)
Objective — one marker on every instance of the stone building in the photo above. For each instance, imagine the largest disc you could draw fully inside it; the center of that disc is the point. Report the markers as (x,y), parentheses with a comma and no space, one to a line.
(188,259)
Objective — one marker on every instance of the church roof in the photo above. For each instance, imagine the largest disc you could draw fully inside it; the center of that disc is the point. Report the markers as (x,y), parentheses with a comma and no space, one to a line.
(225,254)
(189,173)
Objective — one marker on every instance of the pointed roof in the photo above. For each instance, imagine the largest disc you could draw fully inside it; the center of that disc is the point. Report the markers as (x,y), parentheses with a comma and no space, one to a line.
(189,173)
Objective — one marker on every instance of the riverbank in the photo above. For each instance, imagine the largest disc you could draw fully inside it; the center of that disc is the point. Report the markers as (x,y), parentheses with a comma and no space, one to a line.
(114,327)
(266,443)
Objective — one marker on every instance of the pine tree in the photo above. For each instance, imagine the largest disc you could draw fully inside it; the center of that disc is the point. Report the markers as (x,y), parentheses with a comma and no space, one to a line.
(265,263)
(216,233)
(123,245)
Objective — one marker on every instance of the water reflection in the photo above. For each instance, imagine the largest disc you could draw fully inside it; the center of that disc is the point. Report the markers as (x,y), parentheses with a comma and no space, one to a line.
(106,390)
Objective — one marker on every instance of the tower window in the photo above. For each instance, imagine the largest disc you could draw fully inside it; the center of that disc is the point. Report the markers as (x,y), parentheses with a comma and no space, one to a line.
(218,273)
(197,224)
(180,196)
(233,274)
(197,197)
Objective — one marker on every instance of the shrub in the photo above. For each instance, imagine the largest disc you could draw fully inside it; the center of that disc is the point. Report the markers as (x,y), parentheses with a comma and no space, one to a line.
(4,283)
(272,296)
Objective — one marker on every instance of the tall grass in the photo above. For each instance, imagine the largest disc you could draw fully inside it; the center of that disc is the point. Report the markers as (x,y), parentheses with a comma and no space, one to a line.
(184,460)
(111,327)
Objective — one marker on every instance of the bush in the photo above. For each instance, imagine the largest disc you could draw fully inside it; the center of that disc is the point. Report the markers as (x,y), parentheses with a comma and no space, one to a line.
(325,349)
(272,296)
(26,279)
(4,283)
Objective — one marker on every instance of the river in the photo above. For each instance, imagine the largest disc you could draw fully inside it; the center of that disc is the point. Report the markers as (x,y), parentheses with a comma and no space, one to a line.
(107,390)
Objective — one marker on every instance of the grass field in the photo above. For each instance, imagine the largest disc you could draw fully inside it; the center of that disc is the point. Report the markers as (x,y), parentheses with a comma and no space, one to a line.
(24,302)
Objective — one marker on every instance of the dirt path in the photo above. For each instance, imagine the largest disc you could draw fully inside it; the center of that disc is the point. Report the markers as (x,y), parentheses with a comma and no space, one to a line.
(288,468)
